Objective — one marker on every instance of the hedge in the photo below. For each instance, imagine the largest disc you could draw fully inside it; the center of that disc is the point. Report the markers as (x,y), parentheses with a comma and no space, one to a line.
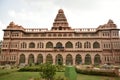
(59,68)
(96,72)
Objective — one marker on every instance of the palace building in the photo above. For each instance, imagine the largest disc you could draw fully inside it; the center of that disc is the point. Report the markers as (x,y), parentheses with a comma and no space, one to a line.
(61,44)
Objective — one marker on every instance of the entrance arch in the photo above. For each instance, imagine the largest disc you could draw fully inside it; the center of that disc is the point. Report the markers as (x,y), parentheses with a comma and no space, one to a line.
(22,59)
(31,59)
(69,60)
(78,59)
(97,59)
(39,59)
(49,58)
(88,59)
(59,59)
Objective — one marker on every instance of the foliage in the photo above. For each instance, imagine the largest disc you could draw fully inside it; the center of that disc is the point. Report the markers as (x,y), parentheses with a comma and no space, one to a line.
(60,68)
(70,73)
(37,68)
(30,69)
(96,72)
(48,71)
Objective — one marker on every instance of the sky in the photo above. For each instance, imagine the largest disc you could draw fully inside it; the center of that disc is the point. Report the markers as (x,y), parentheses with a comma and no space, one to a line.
(41,13)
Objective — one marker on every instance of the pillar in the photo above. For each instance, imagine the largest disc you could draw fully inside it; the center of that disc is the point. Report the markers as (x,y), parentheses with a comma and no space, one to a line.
(92,60)
(26,59)
(35,58)
(64,61)
(83,59)
(73,61)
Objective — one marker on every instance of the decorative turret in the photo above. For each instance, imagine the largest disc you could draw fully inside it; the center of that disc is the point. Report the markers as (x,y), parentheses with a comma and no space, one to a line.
(60,22)
(110,25)
(12,25)
(110,21)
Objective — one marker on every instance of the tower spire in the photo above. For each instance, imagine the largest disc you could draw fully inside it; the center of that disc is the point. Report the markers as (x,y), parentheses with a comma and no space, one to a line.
(60,22)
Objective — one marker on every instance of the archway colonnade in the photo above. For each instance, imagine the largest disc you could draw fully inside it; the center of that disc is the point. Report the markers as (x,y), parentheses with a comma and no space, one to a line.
(68,59)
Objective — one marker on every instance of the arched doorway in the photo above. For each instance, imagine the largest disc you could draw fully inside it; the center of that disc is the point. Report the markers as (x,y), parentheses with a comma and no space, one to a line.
(39,59)
(49,58)
(88,59)
(97,59)
(22,59)
(69,60)
(31,59)
(78,59)
(59,59)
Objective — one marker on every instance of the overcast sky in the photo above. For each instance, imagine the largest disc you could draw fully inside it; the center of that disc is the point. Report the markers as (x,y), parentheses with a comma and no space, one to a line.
(41,13)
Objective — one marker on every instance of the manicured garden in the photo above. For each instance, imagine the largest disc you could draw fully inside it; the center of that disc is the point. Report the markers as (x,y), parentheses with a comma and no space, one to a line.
(53,72)
(29,75)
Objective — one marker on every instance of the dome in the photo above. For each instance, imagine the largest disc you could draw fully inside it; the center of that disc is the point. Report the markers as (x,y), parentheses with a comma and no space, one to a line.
(60,11)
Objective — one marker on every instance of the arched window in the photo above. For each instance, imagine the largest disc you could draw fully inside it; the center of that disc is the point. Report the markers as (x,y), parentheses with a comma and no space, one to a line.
(87,45)
(69,60)
(60,28)
(78,45)
(31,59)
(97,59)
(23,45)
(40,45)
(49,58)
(88,59)
(22,58)
(31,45)
(59,59)
(59,45)
(39,59)
(78,59)
(49,45)
(96,45)
(69,45)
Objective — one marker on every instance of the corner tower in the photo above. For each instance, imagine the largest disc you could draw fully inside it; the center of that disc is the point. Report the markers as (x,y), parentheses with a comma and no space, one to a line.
(60,22)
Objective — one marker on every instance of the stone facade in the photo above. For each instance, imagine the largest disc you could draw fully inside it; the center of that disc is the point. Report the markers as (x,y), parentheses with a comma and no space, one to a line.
(61,44)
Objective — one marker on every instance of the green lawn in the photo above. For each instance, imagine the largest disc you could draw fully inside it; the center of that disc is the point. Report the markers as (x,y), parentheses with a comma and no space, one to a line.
(28,75)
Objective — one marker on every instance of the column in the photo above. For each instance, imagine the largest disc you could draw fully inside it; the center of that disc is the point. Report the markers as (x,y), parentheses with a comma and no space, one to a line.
(35,58)
(83,59)
(73,61)
(26,59)
(44,59)
(92,60)
(64,61)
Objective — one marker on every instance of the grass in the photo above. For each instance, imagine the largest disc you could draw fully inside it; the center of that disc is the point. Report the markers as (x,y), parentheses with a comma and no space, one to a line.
(28,75)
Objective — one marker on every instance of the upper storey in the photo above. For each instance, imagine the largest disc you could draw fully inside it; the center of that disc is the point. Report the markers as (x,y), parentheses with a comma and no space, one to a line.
(60,22)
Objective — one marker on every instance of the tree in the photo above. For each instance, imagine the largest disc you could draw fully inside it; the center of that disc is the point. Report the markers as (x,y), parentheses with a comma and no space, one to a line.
(48,71)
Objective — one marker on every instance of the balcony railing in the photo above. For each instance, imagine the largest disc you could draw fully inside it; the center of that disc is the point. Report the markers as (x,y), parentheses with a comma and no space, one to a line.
(59,48)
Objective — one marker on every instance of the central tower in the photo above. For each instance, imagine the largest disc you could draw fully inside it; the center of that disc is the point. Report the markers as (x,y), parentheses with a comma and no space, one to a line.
(60,22)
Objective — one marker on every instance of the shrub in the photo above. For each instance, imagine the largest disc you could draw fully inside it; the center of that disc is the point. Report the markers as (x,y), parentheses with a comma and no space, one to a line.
(59,68)
(96,72)
(48,71)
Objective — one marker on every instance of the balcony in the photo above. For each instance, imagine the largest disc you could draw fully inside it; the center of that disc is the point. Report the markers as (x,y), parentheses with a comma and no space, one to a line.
(57,48)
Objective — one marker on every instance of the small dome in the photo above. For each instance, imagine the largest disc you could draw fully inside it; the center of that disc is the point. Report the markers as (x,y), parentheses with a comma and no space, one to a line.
(110,21)
(12,23)
(60,11)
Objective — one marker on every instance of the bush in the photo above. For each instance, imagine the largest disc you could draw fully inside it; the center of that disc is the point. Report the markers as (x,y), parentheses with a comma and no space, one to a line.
(30,69)
(48,71)
(96,72)
(59,68)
